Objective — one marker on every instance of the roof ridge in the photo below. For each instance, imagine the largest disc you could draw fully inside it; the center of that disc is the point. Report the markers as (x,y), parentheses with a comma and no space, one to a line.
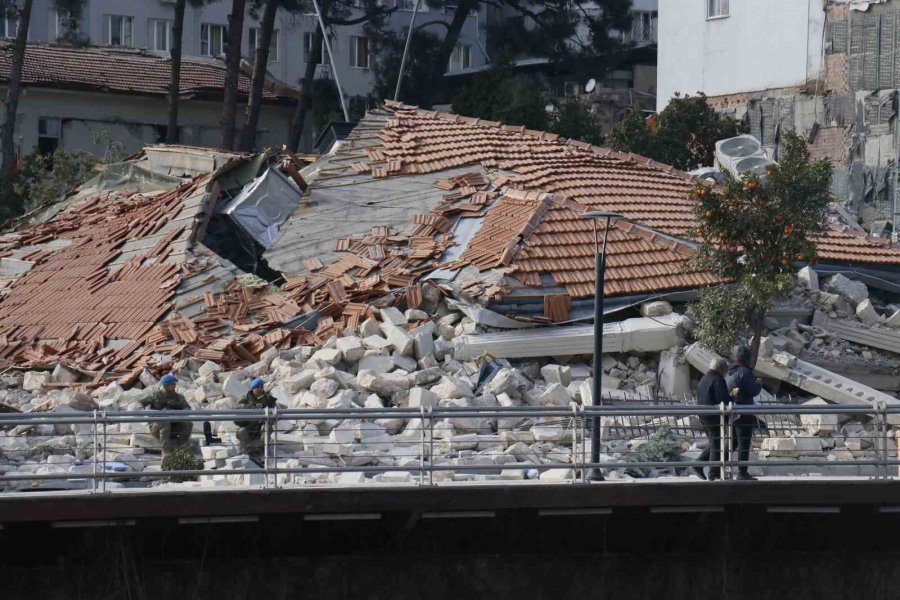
(545,136)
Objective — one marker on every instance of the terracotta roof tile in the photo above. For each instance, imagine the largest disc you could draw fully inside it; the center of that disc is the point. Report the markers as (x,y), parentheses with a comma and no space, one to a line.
(125,71)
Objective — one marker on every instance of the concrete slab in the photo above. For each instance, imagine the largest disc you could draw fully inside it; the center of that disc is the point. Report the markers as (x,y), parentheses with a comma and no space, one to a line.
(883,338)
(641,335)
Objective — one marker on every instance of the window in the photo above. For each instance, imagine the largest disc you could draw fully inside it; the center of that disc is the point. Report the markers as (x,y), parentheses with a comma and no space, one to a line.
(307,49)
(461,58)
(411,5)
(9,27)
(571,88)
(717,8)
(160,35)
(49,135)
(359,52)
(256,39)
(212,39)
(119,30)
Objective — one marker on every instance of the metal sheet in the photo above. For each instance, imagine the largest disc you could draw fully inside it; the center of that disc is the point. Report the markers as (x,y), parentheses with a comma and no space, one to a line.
(263,206)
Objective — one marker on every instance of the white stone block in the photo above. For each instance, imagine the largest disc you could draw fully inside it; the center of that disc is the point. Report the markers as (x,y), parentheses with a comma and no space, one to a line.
(557,475)
(376,342)
(809,278)
(376,364)
(657,308)
(556,374)
(674,374)
(866,313)
(324,388)
(894,320)
(421,397)
(351,348)
(208,369)
(785,360)
(548,432)
(36,380)
(328,356)
(452,387)
(784,447)
(369,327)
(351,478)
(854,291)
(554,395)
(398,338)
(414,314)
(423,344)
(233,387)
(393,315)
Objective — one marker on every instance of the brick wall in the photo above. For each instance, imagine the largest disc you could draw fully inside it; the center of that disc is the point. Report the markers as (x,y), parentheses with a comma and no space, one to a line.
(727,102)
(836,73)
(830,143)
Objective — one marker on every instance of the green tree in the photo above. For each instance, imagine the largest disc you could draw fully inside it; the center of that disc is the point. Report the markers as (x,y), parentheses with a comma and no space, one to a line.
(753,231)
(554,29)
(232,72)
(175,53)
(683,135)
(497,94)
(387,52)
(572,119)
(335,13)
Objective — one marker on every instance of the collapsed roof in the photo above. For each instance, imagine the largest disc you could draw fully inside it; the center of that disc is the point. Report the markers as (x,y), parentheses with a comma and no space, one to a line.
(149,262)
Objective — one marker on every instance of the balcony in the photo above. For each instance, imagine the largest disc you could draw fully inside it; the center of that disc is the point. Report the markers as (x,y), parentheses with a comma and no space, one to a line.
(643,31)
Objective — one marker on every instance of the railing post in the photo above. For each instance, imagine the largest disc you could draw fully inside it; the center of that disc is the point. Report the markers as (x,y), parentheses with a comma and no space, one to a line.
(103,450)
(574,440)
(584,420)
(883,451)
(275,443)
(430,445)
(266,448)
(422,448)
(96,444)
(723,431)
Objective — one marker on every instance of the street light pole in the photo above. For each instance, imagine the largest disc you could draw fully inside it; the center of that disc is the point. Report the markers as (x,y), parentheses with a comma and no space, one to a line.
(594,474)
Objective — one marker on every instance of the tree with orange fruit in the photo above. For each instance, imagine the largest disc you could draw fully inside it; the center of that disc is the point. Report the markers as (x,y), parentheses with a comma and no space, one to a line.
(754,231)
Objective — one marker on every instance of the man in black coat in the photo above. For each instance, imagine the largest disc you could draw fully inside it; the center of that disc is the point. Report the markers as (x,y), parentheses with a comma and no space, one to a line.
(744,387)
(712,391)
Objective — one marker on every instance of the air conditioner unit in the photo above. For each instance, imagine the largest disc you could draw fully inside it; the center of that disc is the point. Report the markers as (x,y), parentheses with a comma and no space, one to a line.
(742,155)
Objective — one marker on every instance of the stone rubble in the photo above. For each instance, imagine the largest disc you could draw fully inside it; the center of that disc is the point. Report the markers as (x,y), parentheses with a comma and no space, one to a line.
(406,360)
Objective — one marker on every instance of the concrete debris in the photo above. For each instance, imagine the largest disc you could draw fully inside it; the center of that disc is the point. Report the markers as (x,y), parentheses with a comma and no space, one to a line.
(853,291)
(866,313)
(808,277)
(395,358)
(641,335)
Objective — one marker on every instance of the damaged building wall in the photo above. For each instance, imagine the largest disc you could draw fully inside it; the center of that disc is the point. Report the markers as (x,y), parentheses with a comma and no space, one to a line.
(86,121)
(848,112)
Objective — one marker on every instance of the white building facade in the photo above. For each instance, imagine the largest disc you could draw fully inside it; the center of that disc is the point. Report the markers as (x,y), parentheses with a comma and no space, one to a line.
(723,47)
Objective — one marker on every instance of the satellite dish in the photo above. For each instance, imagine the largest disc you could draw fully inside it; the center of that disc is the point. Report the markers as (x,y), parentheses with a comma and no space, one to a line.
(590,86)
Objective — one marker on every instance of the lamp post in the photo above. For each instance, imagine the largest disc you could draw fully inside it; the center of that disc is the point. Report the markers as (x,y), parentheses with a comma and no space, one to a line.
(594,473)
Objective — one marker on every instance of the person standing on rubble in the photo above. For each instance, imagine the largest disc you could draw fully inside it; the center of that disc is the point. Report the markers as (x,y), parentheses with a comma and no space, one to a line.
(171,434)
(744,387)
(712,391)
(249,433)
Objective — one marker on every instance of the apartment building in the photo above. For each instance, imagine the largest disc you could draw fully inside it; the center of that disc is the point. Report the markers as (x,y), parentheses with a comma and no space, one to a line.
(147,24)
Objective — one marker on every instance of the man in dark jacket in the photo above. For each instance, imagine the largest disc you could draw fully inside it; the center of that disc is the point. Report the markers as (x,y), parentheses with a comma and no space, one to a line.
(744,387)
(712,391)
(249,433)
(171,434)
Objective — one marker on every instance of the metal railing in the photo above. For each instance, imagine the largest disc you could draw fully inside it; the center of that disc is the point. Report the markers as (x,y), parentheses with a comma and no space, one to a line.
(101,450)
